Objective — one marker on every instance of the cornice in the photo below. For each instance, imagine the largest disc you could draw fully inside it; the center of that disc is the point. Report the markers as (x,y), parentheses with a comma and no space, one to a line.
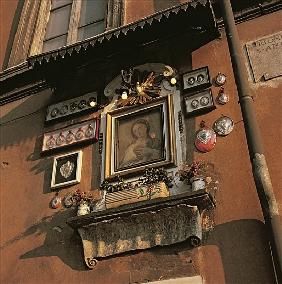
(253,12)
(15,70)
(24,68)
(22,92)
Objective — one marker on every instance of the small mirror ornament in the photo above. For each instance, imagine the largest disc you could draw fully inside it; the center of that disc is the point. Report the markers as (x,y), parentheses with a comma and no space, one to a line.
(223,125)
(220,79)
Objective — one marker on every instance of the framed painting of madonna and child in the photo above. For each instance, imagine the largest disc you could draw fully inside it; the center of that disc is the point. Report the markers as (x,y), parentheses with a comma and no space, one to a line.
(139,137)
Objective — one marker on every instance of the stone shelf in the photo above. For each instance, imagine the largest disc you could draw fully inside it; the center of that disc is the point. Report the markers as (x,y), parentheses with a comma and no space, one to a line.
(142,225)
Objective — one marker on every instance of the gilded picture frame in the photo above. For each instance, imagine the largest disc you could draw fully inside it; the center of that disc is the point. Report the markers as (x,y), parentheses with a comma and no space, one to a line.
(139,137)
(66,169)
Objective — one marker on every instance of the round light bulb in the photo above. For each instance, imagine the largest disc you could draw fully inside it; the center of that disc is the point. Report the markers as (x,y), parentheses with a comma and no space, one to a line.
(173,81)
(124,95)
(92,103)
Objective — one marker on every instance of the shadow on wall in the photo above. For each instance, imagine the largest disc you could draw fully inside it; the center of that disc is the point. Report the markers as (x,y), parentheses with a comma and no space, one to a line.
(243,247)
(22,128)
(25,121)
(60,240)
(244,251)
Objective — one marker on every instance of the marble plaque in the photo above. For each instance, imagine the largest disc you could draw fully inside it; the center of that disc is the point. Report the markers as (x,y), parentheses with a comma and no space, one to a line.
(265,55)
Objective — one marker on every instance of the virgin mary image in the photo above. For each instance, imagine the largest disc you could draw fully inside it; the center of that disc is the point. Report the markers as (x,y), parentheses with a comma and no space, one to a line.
(143,147)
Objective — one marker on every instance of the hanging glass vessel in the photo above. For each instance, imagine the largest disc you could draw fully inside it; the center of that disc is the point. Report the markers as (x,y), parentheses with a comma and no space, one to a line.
(79,134)
(61,139)
(70,137)
(222,97)
(89,131)
(50,143)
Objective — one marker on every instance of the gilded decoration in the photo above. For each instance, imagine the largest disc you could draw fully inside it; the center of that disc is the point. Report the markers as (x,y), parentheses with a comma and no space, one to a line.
(142,86)
(139,137)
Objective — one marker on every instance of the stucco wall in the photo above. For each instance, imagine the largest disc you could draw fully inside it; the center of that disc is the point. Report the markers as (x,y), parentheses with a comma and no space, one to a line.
(239,232)
(7,12)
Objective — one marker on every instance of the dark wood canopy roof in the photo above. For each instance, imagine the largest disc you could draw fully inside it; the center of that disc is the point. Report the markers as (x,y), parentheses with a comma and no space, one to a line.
(194,17)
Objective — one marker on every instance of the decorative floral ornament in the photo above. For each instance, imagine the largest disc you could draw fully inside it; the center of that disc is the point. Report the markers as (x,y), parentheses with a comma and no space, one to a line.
(205,139)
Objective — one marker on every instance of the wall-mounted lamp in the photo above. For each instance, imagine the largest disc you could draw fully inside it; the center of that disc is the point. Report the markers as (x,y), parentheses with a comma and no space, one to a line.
(124,95)
(92,102)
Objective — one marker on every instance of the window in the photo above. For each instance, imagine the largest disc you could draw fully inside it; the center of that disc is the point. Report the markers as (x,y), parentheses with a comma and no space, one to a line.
(92,18)
(74,20)
(45,25)
(64,22)
(58,25)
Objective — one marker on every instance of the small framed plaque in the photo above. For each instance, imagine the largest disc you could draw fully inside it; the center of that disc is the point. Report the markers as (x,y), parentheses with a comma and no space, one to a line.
(66,169)
(77,133)
(72,106)
(199,102)
(196,79)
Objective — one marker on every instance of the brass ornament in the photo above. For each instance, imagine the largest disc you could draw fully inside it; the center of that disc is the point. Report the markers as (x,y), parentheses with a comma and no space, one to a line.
(140,88)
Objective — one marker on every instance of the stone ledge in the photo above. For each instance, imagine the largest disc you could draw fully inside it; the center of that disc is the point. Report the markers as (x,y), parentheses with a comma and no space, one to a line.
(202,200)
(143,225)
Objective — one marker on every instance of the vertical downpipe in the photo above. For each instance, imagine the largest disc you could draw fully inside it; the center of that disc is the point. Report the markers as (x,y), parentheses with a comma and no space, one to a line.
(259,166)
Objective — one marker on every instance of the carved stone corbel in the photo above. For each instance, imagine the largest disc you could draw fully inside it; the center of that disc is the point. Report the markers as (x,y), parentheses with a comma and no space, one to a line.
(143,225)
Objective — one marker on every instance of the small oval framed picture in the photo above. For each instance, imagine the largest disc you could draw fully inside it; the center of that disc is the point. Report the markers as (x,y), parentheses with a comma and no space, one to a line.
(66,169)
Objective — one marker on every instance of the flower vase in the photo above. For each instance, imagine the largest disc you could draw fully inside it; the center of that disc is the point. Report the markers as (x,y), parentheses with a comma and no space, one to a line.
(198,183)
(83,208)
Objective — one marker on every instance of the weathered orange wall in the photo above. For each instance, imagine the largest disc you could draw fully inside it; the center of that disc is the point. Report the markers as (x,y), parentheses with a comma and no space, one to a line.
(238,215)
(7,11)
(38,246)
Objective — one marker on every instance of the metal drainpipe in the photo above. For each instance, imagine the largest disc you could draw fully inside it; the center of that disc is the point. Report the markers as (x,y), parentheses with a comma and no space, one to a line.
(256,153)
